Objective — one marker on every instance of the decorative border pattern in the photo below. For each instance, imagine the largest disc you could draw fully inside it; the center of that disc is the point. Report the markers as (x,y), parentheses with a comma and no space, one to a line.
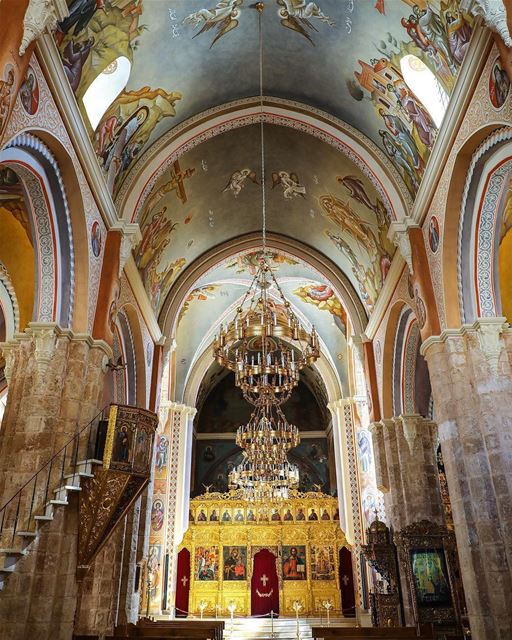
(209,114)
(484,234)
(6,282)
(354,494)
(47,118)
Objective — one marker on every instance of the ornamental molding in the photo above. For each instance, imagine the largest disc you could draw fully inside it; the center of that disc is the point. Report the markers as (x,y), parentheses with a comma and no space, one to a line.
(399,234)
(493,13)
(487,331)
(40,16)
(35,329)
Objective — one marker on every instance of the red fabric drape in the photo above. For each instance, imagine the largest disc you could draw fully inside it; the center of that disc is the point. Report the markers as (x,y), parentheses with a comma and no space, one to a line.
(348,597)
(264,584)
(182,582)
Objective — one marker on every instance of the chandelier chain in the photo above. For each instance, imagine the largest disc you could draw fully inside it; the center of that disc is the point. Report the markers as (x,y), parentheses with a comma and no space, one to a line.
(262,136)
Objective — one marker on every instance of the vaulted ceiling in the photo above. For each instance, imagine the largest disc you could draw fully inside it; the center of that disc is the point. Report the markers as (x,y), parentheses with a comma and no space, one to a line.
(347,140)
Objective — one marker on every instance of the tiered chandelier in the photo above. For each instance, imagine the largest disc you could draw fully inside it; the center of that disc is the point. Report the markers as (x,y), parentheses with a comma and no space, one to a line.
(266,347)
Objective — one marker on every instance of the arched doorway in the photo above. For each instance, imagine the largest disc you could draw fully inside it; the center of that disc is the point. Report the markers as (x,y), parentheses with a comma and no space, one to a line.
(264,584)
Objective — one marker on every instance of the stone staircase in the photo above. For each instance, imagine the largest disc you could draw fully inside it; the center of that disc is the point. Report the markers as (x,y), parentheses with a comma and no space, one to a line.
(17,541)
(283,628)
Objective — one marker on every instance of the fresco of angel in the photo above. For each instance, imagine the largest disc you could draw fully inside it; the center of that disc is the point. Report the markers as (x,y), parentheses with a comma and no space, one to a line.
(223,17)
(237,180)
(297,15)
(290,183)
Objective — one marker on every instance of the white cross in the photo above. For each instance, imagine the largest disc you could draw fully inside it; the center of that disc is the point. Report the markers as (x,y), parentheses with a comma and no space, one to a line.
(264,579)
(184,581)
(345,580)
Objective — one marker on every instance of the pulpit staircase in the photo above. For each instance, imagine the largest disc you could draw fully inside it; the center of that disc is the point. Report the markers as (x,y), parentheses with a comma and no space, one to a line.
(35,504)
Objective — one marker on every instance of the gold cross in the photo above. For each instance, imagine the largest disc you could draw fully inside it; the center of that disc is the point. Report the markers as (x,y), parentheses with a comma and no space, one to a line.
(264,579)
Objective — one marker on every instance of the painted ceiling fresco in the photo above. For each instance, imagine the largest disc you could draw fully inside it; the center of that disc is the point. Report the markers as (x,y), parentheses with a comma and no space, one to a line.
(218,293)
(341,56)
(314,195)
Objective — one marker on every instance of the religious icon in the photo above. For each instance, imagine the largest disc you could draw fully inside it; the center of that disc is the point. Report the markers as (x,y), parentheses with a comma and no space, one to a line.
(239,516)
(294,562)
(29,92)
(420,308)
(336,514)
(206,563)
(300,514)
(235,563)
(201,516)
(153,565)
(157,515)
(322,562)
(325,515)
(364,451)
(313,515)
(430,578)
(162,448)
(226,516)
(288,516)
(499,85)
(275,517)
(433,234)
(96,239)
(6,93)
(122,448)
(214,517)
(250,516)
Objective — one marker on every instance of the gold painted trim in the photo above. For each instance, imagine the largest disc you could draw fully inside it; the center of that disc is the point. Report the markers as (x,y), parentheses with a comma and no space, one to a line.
(109,442)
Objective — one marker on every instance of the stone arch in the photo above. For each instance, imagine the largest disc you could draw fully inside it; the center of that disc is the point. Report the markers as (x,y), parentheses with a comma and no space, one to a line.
(324,266)
(483,200)
(388,351)
(51,226)
(9,309)
(452,240)
(132,332)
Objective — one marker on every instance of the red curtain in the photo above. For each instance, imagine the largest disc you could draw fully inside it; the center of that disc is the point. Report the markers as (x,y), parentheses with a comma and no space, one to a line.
(182,583)
(264,584)
(348,597)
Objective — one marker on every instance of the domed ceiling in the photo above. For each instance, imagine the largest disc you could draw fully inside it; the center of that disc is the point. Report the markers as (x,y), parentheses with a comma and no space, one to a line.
(314,195)
(341,56)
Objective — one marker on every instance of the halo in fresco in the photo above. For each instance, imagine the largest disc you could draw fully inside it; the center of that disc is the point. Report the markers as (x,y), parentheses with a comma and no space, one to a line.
(341,57)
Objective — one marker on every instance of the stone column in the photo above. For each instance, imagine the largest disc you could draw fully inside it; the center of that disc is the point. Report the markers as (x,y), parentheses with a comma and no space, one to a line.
(171,487)
(55,380)
(405,457)
(470,372)
(348,485)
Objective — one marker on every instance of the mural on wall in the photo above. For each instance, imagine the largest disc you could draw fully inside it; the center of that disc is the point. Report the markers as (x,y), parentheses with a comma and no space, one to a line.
(7,87)
(499,85)
(335,208)
(323,297)
(29,92)
(215,459)
(327,47)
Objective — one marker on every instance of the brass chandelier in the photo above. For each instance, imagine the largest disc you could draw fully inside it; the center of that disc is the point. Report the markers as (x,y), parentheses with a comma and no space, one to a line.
(266,347)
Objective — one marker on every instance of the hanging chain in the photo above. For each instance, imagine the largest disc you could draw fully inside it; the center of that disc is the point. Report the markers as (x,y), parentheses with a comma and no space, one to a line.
(262,135)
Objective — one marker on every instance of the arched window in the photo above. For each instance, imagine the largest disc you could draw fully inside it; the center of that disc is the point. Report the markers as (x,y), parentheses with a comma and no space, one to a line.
(425,86)
(105,88)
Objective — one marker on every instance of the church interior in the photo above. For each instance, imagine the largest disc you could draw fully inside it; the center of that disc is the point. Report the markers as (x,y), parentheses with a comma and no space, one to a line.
(255,355)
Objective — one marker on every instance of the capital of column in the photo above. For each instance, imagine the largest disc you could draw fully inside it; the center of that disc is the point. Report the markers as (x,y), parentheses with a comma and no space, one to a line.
(487,332)
(334,405)
(39,16)
(44,335)
(131,236)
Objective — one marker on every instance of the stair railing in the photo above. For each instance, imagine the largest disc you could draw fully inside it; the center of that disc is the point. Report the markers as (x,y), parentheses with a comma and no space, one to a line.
(16,514)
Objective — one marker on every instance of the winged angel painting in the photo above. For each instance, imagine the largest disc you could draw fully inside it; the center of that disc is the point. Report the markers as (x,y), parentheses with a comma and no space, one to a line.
(225,16)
